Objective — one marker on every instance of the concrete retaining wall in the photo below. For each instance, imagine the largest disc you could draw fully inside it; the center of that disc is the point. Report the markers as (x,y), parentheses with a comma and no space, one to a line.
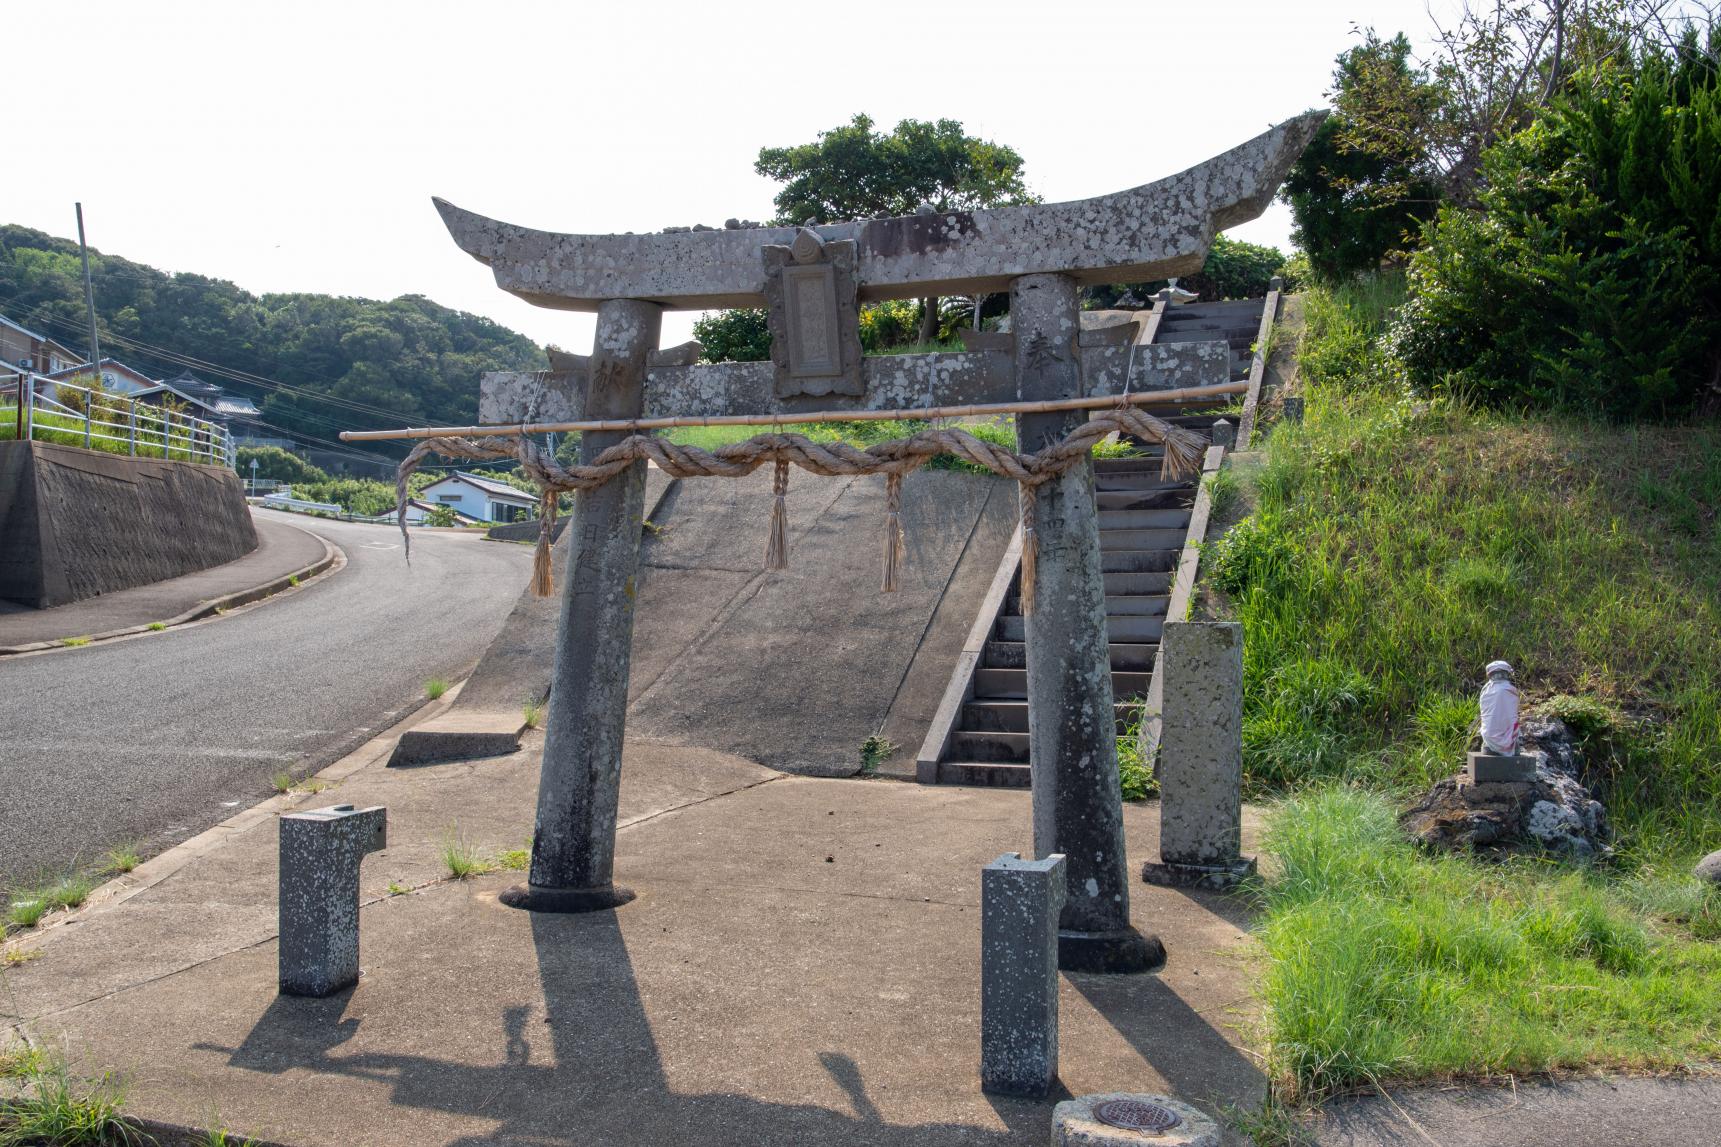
(75,523)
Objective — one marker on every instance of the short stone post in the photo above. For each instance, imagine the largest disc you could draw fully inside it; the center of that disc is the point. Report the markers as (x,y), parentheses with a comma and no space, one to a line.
(1224,434)
(1293,409)
(1078,804)
(318,901)
(573,845)
(1019,905)
(1201,757)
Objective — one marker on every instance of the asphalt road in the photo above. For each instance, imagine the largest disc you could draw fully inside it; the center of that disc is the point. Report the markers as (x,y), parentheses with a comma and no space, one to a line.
(150,740)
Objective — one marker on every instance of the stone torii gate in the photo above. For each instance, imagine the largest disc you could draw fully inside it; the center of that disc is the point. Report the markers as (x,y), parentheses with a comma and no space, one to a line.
(813,279)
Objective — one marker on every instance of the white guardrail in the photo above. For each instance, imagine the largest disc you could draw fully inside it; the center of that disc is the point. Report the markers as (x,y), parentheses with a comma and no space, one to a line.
(72,415)
(283,502)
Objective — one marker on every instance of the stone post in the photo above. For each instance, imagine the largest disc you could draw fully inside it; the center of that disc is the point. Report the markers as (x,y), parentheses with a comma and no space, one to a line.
(1201,757)
(1019,905)
(317,904)
(573,845)
(1078,807)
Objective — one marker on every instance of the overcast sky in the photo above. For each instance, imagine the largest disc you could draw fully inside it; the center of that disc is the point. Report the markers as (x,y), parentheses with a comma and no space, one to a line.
(295,147)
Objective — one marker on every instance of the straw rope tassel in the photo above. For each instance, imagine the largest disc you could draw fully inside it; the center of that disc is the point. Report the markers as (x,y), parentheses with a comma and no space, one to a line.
(777,543)
(1030,547)
(893,541)
(543,581)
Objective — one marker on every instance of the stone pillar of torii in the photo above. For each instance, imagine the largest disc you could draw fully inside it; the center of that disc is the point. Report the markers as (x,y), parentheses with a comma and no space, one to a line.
(813,279)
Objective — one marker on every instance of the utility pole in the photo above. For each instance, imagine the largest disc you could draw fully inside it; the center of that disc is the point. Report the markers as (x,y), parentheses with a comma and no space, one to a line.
(90,301)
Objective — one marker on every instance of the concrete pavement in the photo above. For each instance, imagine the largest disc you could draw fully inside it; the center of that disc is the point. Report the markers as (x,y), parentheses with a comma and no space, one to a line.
(153,738)
(283,549)
(801,966)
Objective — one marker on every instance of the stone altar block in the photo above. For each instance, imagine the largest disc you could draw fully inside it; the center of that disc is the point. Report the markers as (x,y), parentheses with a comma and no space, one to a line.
(1201,757)
(1496,768)
(318,902)
(1019,905)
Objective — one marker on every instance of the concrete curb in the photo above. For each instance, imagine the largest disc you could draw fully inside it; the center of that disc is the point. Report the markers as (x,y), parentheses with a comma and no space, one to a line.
(333,556)
(158,868)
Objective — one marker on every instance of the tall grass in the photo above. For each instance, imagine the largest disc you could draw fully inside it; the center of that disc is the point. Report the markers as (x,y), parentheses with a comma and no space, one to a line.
(1389,965)
(66,430)
(1397,547)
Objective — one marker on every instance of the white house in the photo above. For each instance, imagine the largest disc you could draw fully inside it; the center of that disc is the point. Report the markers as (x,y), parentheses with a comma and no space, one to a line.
(418,512)
(479,497)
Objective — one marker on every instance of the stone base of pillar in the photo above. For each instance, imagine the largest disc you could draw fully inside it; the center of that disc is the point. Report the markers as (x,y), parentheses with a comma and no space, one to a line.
(565,901)
(1122,951)
(1217,876)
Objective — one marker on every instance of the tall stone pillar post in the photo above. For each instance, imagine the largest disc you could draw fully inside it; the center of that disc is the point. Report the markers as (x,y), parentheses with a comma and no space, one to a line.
(573,846)
(1072,738)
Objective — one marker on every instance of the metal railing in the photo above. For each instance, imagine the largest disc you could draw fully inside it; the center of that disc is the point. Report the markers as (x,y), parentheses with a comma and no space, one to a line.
(71,415)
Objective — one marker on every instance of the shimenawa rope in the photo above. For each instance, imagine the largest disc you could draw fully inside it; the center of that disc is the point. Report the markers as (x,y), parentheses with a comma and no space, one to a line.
(1183,451)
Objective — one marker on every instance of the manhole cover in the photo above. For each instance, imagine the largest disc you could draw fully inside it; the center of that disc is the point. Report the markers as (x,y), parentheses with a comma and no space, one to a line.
(1137,1115)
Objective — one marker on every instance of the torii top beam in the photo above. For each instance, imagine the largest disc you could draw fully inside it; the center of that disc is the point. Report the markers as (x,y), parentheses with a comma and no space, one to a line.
(1153,231)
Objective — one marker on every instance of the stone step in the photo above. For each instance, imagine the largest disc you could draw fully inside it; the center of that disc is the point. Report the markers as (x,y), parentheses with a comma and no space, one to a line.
(992,774)
(1129,584)
(1139,561)
(1169,497)
(1012,716)
(1137,476)
(1130,629)
(1014,655)
(1117,605)
(1203,334)
(1012,684)
(1213,307)
(970,745)
(1162,519)
(1142,539)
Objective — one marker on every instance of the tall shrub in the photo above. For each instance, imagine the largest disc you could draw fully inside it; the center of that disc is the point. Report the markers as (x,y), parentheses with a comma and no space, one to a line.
(1586,278)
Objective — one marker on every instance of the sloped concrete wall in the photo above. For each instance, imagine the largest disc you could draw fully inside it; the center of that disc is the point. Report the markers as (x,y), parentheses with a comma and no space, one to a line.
(76,523)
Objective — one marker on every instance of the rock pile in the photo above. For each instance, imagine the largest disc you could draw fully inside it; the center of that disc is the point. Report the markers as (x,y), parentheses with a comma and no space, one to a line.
(1552,812)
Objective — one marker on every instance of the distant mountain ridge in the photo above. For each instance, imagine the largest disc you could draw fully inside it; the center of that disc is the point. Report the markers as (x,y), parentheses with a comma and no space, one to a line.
(410,357)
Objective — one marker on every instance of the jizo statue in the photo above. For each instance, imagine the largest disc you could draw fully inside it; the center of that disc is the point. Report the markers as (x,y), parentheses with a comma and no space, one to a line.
(814,279)
(1499,705)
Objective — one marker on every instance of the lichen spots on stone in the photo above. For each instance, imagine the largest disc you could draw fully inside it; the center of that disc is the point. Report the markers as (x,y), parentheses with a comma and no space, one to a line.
(1093,887)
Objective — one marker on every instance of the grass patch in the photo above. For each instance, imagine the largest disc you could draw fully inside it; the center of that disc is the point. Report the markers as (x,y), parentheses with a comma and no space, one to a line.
(27,908)
(157,626)
(460,859)
(532,712)
(1388,964)
(74,642)
(123,859)
(515,859)
(293,580)
(282,783)
(1134,770)
(875,751)
(396,888)
(435,688)
(1395,547)
(54,1109)
(15,957)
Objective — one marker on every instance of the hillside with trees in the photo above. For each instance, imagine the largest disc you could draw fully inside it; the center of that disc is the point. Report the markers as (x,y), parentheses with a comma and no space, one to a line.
(318,363)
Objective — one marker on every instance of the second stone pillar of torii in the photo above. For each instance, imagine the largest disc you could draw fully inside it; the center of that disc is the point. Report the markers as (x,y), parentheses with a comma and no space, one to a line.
(1072,738)
(573,844)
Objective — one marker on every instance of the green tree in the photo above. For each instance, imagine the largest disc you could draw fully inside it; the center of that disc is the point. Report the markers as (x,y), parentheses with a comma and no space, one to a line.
(855,172)
(278,465)
(1587,275)
(1366,182)
(740,335)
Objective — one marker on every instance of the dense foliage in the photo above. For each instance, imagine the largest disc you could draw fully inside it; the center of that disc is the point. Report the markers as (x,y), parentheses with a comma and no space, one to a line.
(1586,277)
(276,464)
(415,360)
(739,335)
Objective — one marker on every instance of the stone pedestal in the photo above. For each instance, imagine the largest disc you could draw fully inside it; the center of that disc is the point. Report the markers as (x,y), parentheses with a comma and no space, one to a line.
(1082,1122)
(1078,808)
(1494,768)
(1201,757)
(1019,905)
(573,845)
(318,898)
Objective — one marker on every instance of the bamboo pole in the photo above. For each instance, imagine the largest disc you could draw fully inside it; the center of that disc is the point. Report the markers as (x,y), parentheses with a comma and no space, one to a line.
(1188,394)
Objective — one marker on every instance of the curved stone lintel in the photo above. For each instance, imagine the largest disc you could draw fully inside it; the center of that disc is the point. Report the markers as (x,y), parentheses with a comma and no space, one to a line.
(1153,231)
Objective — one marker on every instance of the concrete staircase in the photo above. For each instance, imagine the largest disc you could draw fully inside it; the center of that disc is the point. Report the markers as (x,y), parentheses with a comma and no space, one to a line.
(1143,522)
(1237,323)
